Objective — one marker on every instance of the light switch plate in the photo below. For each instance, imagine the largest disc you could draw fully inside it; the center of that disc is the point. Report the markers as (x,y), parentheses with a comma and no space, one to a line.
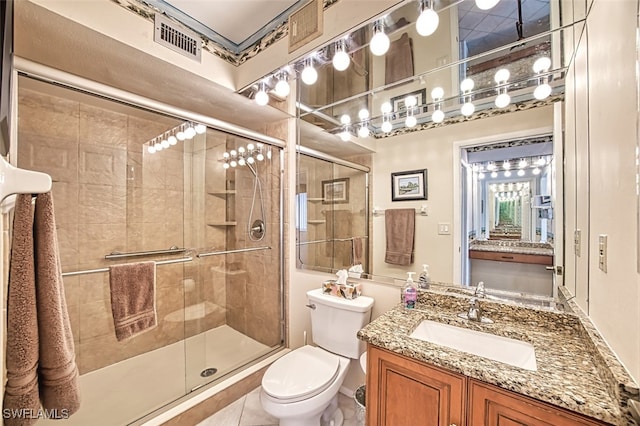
(602,252)
(444,229)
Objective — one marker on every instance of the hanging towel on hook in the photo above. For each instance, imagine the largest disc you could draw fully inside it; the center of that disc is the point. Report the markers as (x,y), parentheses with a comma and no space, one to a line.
(40,359)
(400,236)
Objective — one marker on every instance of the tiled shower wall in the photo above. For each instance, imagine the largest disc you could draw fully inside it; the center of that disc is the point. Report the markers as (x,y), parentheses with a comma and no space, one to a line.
(110,194)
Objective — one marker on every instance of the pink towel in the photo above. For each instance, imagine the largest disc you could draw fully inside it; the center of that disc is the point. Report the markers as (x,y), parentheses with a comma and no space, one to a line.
(400,235)
(133,298)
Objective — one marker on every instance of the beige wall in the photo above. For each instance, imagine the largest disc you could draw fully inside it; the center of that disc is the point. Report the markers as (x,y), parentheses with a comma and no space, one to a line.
(604,162)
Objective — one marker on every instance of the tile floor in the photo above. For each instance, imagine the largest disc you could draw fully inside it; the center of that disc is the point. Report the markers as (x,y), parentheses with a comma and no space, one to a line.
(247,411)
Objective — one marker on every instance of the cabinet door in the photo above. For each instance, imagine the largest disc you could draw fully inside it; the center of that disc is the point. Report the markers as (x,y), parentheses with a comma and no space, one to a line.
(491,406)
(403,392)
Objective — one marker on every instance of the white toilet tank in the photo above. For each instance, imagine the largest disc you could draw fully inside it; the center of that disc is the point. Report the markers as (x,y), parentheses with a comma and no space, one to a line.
(335,322)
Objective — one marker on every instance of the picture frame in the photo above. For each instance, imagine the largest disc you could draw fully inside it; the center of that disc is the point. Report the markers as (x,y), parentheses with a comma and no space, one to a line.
(398,108)
(409,185)
(335,191)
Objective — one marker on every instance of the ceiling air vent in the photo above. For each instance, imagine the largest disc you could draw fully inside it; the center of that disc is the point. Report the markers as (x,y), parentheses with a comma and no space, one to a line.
(179,39)
(305,24)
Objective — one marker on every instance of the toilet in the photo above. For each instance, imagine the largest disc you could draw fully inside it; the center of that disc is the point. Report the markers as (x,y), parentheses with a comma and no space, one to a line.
(303,385)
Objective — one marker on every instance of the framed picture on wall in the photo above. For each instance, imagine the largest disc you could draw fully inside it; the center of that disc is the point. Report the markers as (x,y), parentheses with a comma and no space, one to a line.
(409,185)
(335,191)
(399,107)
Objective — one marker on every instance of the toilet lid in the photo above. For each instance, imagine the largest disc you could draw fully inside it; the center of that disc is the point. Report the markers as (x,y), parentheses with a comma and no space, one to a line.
(300,373)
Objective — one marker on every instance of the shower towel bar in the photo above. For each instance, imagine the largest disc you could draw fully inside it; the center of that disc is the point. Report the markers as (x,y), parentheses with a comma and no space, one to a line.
(422,211)
(94,271)
(303,243)
(170,250)
(216,253)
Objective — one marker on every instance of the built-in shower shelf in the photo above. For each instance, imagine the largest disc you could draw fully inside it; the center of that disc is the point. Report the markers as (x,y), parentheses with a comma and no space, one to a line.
(222,192)
(316,221)
(223,223)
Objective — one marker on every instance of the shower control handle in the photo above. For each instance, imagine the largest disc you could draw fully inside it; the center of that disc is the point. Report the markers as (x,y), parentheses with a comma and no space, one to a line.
(311,306)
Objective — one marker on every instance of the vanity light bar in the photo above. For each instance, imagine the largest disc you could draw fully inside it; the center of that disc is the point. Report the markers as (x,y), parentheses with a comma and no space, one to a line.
(186,130)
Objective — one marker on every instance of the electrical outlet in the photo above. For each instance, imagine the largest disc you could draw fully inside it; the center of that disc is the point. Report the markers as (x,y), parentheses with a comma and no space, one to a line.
(444,229)
(576,242)
(602,252)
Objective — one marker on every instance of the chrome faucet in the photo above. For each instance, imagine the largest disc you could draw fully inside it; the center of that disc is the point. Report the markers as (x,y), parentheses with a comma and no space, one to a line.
(475,312)
(480,291)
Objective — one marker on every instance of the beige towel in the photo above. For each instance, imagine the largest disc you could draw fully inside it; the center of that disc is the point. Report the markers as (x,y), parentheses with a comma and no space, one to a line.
(58,372)
(356,251)
(133,298)
(399,60)
(400,234)
(21,388)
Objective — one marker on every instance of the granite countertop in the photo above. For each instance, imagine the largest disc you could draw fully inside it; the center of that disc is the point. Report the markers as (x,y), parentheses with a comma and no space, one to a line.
(574,369)
(519,247)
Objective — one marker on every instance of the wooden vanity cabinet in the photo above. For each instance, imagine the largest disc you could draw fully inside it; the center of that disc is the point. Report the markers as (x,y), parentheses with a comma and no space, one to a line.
(405,392)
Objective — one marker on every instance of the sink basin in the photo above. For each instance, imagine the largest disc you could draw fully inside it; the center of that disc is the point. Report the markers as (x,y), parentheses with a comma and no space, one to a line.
(503,349)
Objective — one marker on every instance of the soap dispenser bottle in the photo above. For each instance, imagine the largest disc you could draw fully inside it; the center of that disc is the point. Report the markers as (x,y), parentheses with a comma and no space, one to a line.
(409,293)
(424,280)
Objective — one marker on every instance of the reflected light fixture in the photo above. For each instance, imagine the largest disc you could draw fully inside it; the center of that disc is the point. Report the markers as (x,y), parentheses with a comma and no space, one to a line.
(506,165)
(507,173)
(541,66)
(344,134)
(282,86)
(486,4)
(386,108)
(200,129)
(427,22)
(363,114)
(466,86)
(522,163)
(345,119)
(437,94)
(309,74)
(386,126)
(262,98)
(536,171)
(363,131)
(520,172)
(494,174)
(380,42)
(410,102)
(503,99)
(341,59)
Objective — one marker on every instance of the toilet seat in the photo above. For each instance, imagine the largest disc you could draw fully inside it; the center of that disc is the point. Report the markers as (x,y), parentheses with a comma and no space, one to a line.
(300,374)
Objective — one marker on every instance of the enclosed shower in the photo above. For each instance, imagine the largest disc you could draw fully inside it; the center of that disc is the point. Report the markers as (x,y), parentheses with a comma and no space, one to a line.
(134,185)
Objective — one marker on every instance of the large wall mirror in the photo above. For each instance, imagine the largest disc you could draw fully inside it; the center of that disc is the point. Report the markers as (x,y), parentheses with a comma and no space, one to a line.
(406,110)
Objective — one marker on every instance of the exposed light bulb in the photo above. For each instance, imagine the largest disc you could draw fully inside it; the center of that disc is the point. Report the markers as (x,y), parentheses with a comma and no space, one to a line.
(309,74)
(241,161)
(345,119)
(233,153)
(190,132)
(437,116)
(341,59)
(241,149)
(250,160)
(536,171)
(386,107)
(225,165)
(502,75)
(494,174)
(522,163)
(282,87)
(437,93)
(380,42)
(541,65)
(233,163)
(200,128)
(507,173)
(386,126)
(363,114)
(260,156)
(411,121)
(410,101)
(363,132)
(480,175)
(486,4)
(172,140)
(250,147)
(180,135)
(467,85)
(427,22)
(151,149)
(344,135)
(467,109)
(503,100)
(542,91)
(541,161)
(506,165)
(165,143)
(520,172)
(262,98)
(225,155)
(491,166)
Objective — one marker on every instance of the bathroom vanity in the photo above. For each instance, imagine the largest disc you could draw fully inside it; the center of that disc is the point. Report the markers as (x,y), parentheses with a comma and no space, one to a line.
(574,379)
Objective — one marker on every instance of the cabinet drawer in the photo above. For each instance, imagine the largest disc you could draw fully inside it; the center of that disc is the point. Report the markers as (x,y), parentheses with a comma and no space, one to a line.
(511,257)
